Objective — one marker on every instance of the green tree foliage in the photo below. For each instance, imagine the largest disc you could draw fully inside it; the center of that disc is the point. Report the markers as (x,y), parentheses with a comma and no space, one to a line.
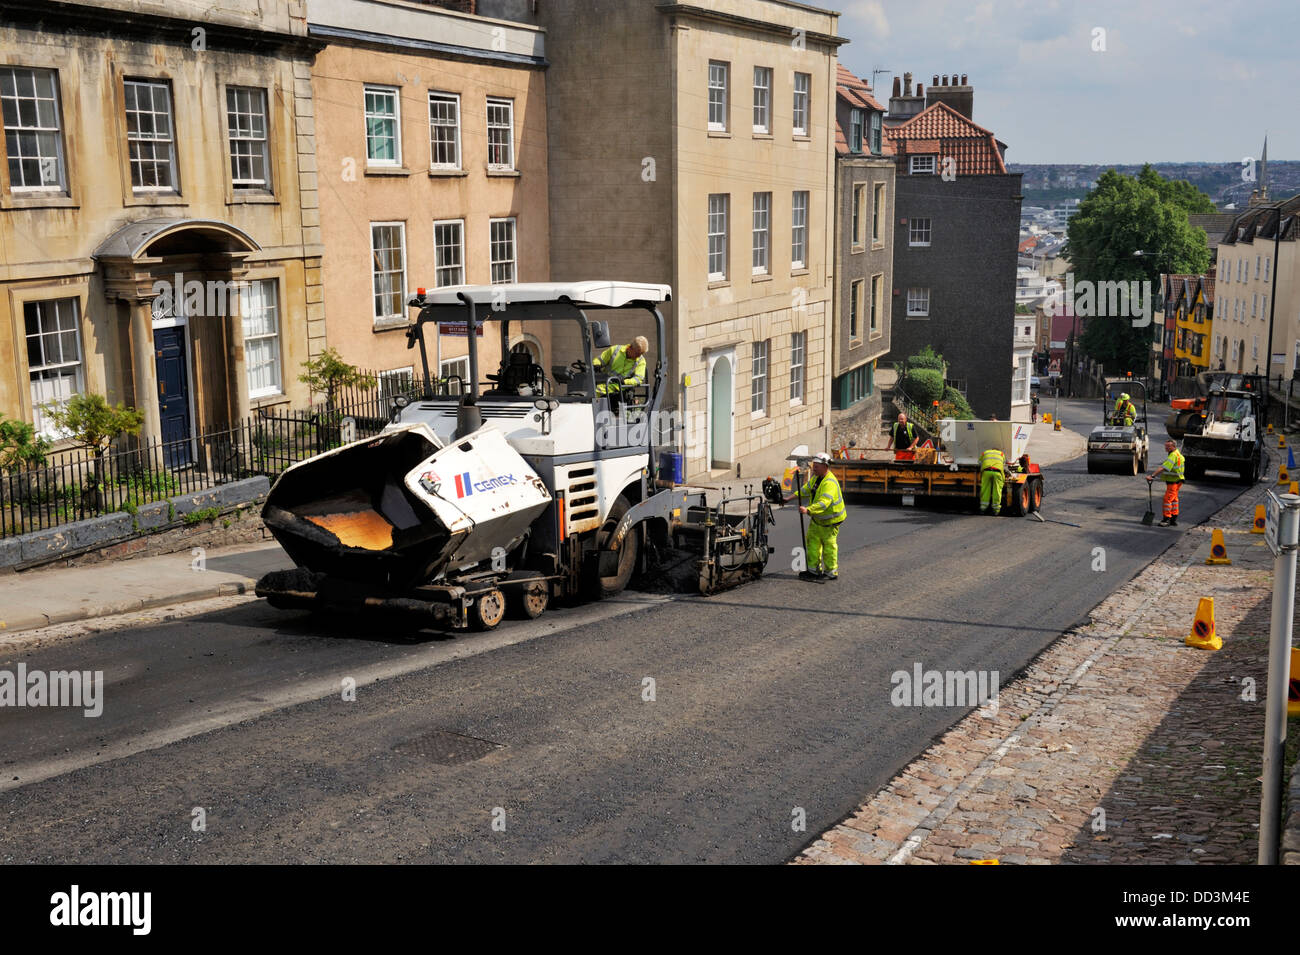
(924,386)
(20,446)
(92,423)
(1121,216)
(327,374)
(926,358)
(953,404)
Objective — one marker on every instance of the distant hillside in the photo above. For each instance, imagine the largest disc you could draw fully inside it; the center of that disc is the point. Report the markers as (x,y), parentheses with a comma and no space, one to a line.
(1220,181)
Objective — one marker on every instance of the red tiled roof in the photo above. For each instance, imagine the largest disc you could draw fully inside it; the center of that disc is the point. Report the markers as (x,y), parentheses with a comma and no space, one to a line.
(940,129)
(1027,245)
(856,91)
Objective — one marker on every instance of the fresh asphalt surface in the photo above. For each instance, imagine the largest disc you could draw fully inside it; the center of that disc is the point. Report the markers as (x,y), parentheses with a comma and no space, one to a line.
(769,699)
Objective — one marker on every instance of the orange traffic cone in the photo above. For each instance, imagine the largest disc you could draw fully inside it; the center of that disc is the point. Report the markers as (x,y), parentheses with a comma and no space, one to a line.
(1293,685)
(1283,475)
(1294,488)
(1258,527)
(1270,427)
(1281,441)
(1218,550)
(1203,636)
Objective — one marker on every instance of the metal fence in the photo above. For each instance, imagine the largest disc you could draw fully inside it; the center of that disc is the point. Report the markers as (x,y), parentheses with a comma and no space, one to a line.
(77,485)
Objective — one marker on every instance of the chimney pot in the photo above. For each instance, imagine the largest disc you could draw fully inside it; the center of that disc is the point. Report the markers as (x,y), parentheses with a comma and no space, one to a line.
(920,90)
(907,84)
(935,81)
(963,80)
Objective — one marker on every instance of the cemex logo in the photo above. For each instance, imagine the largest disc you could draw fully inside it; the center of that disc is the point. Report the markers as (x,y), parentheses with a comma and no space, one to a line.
(465,487)
(1020,433)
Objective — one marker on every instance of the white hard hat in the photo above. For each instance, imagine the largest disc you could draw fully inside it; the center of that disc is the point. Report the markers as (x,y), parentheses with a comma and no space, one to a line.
(822,457)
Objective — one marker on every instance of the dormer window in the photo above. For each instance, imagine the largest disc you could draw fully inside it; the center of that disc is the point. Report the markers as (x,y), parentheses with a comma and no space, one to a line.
(855,130)
(922,165)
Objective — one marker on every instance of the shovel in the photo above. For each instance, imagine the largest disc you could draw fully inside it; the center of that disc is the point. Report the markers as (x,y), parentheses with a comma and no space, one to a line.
(1149,517)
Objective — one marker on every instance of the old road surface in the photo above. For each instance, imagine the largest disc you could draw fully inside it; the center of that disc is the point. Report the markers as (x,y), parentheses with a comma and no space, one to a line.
(538,743)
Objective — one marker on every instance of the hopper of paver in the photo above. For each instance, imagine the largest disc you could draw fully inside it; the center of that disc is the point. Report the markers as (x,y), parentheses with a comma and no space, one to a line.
(965,441)
(400,509)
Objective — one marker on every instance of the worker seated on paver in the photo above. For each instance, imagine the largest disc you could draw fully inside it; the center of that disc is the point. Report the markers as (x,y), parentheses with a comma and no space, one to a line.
(1125,413)
(625,361)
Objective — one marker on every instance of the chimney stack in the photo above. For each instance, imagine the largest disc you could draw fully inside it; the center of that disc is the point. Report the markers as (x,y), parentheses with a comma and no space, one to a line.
(961,97)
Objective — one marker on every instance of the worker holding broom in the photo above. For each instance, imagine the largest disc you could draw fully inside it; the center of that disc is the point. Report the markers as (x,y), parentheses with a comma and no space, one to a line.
(826,513)
(1172,473)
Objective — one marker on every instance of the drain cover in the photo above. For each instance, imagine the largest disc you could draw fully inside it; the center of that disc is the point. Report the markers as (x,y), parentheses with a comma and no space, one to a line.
(446,749)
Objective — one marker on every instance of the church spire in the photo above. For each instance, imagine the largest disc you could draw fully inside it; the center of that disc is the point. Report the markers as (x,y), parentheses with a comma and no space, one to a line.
(1263,172)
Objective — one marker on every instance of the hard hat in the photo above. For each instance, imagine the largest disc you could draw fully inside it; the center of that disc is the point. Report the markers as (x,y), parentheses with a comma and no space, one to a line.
(1124,397)
(822,457)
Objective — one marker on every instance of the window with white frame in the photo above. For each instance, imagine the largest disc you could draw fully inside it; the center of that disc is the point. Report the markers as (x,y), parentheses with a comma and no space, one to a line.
(718,96)
(1020,381)
(383,126)
(921,165)
(29,100)
(457,368)
(1267,261)
(918,302)
(388,269)
(54,364)
(501,133)
(502,253)
(718,208)
(758,379)
(1254,304)
(444,130)
(855,130)
(394,382)
(875,132)
(873,306)
(799,230)
(878,212)
(1240,263)
(449,253)
(800,110)
(250,158)
(762,99)
(918,231)
(859,197)
(1257,265)
(798,349)
(1254,346)
(149,136)
(259,309)
(1263,306)
(762,232)
(855,310)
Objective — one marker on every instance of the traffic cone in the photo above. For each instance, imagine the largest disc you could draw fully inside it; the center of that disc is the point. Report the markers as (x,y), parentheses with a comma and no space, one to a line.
(1218,550)
(1203,636)
(1281,441)
(1294,488)
(1283,476)
(1293,685)
(1056,425)
(1290,458)
(1258,528)
(1047,417)
(1270,427)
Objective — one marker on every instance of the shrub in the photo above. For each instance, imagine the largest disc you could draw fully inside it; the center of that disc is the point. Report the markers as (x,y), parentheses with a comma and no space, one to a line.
(924,386)
(954,400)
(926,358)
(20,446)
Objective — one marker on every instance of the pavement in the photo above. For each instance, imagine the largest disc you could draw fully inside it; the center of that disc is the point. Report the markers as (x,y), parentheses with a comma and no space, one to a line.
(39,598)
(1119,744)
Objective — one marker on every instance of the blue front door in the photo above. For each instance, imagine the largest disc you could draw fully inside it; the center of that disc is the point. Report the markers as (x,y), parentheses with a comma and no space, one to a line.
(173,395)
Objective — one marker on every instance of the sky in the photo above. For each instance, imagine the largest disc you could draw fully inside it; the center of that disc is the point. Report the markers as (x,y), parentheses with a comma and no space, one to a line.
(1178,80)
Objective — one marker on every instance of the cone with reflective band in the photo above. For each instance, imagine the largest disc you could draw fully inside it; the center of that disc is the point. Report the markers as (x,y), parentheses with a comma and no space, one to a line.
(1258,527)
(1283,476)
(1203,636)
(1218,550)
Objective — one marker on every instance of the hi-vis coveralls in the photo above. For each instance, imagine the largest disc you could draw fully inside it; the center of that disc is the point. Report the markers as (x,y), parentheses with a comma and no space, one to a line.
(1172,472)
(826,513)
(993,465)
(614,361)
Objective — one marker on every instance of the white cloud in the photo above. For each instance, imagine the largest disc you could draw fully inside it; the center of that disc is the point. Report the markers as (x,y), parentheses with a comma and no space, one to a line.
(869,13)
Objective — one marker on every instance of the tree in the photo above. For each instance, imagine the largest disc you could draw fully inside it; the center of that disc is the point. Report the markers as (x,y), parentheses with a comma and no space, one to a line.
(327,373)
(1122,216)
(92,423)
(20,446)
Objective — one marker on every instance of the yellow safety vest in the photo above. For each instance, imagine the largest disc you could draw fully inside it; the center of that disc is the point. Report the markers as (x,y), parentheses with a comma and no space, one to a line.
(827,507)
(614,361)
(993,458)
(1173,468)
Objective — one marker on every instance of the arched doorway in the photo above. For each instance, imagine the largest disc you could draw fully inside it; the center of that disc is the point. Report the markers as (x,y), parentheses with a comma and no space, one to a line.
(721,410)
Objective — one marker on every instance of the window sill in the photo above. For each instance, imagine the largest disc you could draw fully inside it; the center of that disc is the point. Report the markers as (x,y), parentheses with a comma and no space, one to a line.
(796,403)
(502,173)
(877,245)
(719,283)
(387,171)
(256,198)
(760,134)
(447,173)
(761,277)
(389,324)
(800,271)
(719,134)
(876,336)
(266,401)
(920,317)
(918,245)
(857,249)
(801,137)
(38,200)
(145,199)
(759,417)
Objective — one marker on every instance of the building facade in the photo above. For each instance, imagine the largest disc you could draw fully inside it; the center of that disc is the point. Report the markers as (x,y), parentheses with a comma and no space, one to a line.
(431,141)
(719,182)
(158,211)
(956,222)
(864,251)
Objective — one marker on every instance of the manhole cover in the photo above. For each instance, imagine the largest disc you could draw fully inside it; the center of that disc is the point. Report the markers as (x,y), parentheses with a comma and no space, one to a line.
(447,749)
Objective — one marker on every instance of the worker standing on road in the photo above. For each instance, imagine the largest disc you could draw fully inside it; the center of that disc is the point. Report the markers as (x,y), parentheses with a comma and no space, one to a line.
(993,475)
(626,361)
(903,438)
(826,513)
(1124,412)
(1172,473)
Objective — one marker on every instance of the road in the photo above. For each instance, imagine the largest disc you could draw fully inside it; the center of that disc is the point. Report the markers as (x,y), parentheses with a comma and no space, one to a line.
(538,743)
